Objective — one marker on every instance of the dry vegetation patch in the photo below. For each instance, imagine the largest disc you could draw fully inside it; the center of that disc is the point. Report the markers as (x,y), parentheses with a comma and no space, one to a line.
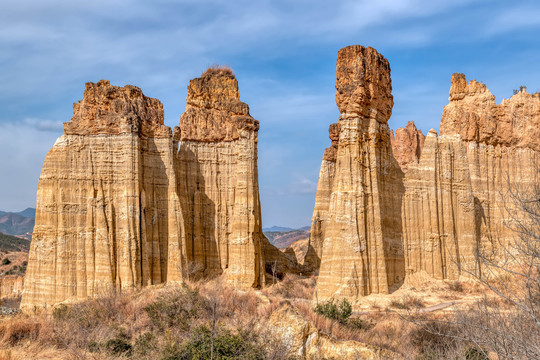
(218,70)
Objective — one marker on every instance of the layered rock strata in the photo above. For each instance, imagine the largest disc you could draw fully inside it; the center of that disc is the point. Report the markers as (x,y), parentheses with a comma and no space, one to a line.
(438,210)
(503,149)
(11,286)
(107,207)
(218,187)
(407,144)
(122,203)
(362,251)
(322,199)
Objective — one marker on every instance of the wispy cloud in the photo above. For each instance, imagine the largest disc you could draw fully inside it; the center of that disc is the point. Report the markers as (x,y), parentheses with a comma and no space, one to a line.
(282,51)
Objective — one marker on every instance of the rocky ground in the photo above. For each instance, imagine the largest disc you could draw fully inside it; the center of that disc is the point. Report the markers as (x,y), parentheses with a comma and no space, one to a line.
(279,322)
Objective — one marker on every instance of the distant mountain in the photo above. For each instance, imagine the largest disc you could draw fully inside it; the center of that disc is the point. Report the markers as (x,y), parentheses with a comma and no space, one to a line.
(277,229)
(18,224)
(29,213)
(283,239)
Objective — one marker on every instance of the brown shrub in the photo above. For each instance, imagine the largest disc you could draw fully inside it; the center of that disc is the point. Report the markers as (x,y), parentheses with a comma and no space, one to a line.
(218,70)
(20,328)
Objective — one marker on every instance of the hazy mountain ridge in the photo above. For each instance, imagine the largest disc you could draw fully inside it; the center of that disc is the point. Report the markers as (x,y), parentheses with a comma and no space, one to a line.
(19,224)
(283,239)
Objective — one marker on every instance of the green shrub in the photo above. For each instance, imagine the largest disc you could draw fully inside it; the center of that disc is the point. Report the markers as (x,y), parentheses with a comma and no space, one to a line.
(360,324)
(6,261)
(476,354)
(145,344)
(227,345)
(339,311)
(118,346)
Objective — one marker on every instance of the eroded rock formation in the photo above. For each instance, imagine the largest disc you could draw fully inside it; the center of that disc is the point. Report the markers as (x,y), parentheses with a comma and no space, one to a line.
(218,181)
(407,144)
(438,210)
(456,201)
(11,286)
(322,198)
(362,250)
(121,203)
(107,206)
(503,150)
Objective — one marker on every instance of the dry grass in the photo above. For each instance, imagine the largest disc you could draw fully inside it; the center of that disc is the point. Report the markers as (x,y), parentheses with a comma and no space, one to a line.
(159,321)
(218,70)
(293,287)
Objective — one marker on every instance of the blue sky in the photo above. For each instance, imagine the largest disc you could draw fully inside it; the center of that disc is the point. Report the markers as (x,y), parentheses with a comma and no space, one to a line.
(283,54)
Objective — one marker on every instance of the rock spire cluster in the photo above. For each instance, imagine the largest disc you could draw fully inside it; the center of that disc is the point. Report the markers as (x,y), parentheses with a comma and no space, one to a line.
(123,203)
(388,206)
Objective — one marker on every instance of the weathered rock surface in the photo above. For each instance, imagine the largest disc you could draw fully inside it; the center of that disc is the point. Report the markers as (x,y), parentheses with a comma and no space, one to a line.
(503,150)
(107,206)
(322,197)
(362,251)
(438,210)
(306,342)
(11,286)
(218,182)
(407,144)
(123,203)
(473,113)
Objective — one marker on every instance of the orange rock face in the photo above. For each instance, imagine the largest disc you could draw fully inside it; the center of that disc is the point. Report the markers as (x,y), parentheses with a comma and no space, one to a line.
(107,109)
(214,111)
(473,114)
(407,144)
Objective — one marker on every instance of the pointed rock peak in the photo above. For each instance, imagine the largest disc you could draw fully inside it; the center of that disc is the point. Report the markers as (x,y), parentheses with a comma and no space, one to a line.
(333,132)
(407,145)
(460,88)
(330,153)
(108,109)
(214,111)
(363,85)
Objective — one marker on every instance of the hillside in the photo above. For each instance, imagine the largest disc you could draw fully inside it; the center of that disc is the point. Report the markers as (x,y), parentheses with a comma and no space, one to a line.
(10,243)
(283,240)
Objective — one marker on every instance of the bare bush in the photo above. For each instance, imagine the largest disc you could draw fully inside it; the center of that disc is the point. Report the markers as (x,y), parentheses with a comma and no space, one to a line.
(218,70)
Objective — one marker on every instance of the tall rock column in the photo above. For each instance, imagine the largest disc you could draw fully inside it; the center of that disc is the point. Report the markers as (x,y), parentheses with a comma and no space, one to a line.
(362,250)
(107,206)
(217,167)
